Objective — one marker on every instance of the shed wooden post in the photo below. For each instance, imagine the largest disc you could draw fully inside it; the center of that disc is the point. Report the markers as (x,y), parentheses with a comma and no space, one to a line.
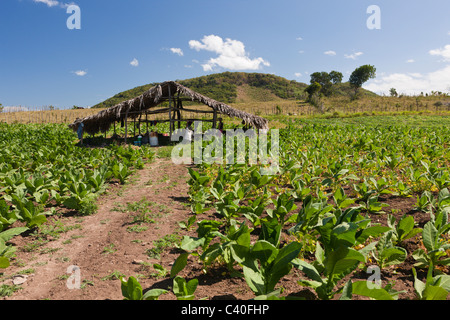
(146,119)
(179,107)
(126,126)
(170,111)
(215,119)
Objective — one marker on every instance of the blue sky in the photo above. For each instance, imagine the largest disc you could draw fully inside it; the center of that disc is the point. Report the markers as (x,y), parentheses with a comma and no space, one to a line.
(124,44)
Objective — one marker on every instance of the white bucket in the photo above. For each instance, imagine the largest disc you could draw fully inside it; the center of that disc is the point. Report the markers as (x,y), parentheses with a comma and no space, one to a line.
(154,141)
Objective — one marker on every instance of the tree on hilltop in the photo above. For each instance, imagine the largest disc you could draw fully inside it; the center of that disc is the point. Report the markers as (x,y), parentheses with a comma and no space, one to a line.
(361,75)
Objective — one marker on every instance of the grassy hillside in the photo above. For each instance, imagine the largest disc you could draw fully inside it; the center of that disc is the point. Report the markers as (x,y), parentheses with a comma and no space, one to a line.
(228,87)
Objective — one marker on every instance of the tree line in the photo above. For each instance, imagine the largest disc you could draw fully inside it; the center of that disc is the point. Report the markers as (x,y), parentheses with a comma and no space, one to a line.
(325,83)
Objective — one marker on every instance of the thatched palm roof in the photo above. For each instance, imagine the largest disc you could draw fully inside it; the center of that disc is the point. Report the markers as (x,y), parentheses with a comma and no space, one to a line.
(103,120)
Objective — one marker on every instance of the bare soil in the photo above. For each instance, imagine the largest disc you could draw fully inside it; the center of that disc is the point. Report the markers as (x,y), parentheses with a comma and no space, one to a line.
(103,246)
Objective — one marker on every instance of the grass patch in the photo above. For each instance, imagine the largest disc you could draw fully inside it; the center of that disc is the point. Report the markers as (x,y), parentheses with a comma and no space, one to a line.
(160,245)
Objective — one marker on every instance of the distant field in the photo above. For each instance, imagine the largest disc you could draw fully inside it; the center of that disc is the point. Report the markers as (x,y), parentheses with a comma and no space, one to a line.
(48,116)
(333,107)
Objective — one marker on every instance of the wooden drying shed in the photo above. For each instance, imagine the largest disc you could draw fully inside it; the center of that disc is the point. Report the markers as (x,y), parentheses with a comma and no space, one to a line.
(145,104)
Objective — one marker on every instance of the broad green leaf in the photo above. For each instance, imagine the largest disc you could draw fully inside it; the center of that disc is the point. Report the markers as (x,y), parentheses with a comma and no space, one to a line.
(271,231)
(419,286)
(183,290)
(344,234)
(347,291)
(405,226)
(131,289)
(434,293)
(373,231)
(254,280)
(443,281)
(264,251)
(361,288)
(10,233)
(4,262)
(191,286)
(239,253)
(179,264)
(341,260)
(191,243)
(308,269)
(393,255)
(429,235)
(153,294)
(179,286)
(282,263)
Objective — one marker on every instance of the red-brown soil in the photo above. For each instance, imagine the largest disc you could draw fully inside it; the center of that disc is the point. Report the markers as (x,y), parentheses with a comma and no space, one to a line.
(102,246)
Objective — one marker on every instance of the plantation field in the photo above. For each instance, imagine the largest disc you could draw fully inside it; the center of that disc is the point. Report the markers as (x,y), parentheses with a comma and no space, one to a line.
(355,200)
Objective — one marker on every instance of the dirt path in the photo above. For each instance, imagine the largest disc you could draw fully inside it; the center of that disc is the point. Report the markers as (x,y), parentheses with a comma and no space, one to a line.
(106,243)
(111,243)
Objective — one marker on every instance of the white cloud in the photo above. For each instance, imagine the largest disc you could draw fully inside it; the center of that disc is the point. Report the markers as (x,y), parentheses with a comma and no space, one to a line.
(412,83)
(297,74)
(410,61)
(177,51)
(299,38)
(330,53)
(49,3)
(231,54)
(54,3)
(444,53)
(134,62)
(353,56)
(80,73)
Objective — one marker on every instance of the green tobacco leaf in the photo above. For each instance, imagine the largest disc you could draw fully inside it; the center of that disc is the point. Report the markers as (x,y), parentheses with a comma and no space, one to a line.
(362,289)
(393,256)
(191,243)
(308,269)
(347,291)
(434,293)
(153,294)
(271,231)
(371,232)
(4,262)
(131,289)
(254,280)
(405,225)
(264,251)
(443,280)
(179,264)
(10,233)
(429,235)
(282,263)
(341,260)
(184,290)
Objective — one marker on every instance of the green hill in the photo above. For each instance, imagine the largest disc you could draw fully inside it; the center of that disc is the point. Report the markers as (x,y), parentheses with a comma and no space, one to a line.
(227,87)
(235,87)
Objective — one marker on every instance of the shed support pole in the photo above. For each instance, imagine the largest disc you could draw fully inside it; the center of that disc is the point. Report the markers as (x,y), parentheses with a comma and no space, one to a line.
(215,119)
(126,126)
(170,112)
